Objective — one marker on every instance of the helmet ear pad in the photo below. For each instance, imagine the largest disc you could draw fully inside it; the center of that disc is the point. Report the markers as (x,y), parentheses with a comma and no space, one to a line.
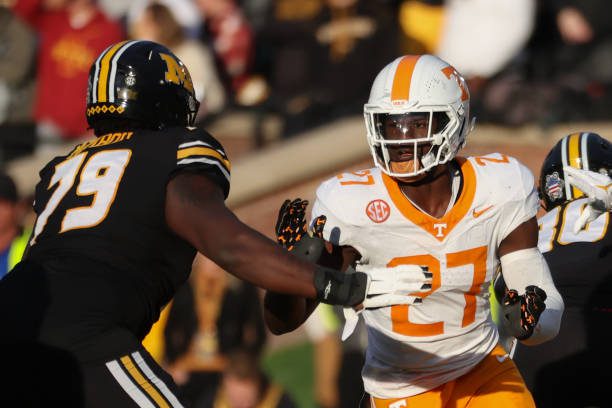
(146,84)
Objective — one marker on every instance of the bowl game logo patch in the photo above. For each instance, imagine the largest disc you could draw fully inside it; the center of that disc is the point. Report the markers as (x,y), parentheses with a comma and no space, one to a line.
(378,211)
(552,186)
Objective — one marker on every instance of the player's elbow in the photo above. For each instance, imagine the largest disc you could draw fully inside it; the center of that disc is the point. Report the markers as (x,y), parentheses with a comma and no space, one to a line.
(284,313)
(275,326)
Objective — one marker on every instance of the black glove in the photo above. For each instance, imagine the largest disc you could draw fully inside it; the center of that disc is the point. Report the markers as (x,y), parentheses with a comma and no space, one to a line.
(332,286)
(292,231)
(520,313)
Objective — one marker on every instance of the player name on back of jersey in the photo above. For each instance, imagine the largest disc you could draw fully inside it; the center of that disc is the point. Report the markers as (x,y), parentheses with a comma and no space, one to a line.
(104,140)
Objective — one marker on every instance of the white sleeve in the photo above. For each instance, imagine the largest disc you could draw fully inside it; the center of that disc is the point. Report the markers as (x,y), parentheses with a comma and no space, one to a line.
(528,267)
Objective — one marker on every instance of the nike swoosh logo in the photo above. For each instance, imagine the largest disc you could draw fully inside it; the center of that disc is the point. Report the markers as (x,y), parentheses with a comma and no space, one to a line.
(503,358)
(477,214)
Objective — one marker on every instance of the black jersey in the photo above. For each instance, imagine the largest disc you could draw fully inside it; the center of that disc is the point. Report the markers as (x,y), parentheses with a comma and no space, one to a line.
(581,267)
(101,223)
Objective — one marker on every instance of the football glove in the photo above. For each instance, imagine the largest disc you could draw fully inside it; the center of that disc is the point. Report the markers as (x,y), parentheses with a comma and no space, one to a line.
(291,223)
(520,313)
(292,232)
(597,187)
(372,287)
(387,287)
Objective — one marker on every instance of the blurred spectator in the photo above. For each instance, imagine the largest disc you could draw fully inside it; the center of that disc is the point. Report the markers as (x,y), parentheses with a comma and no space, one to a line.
(484,40)
(325,56)
(185,12)
(562,75)
(346,359)
(17,52)
(350,34)
(231,37)
(115,9)
(158,23)
(581,59)
(481,37)
(256,12)
(285,50)
(350,383)
(211,316)
(244,385)
(322,330)
(13,237)
(422,23)
(71,33)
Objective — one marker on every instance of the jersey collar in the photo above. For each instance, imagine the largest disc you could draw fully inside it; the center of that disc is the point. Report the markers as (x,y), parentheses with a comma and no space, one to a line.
(439,228)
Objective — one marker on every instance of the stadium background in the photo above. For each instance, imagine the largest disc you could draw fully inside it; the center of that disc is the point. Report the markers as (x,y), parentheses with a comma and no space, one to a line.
(272,159)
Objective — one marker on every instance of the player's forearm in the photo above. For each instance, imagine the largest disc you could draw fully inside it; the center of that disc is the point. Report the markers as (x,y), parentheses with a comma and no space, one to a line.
(528,267)
(550,321)
(253,257)
(195,210)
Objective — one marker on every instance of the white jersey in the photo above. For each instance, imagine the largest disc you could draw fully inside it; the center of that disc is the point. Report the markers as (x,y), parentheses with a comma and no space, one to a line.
(412,349)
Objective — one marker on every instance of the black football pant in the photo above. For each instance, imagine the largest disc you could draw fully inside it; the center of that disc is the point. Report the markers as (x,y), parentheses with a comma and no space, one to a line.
(41,376)
(49,358)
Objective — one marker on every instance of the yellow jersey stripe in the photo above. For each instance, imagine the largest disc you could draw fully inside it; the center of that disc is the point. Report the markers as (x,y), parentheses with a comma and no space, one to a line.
(573,158)
(203,151)
(104,71)
(143,382)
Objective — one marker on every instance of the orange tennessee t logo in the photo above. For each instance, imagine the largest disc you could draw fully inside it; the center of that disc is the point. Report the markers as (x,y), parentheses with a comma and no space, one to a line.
(477,214)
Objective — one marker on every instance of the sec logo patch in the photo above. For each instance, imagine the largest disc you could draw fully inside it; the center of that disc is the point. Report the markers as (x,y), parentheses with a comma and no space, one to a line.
(378,211)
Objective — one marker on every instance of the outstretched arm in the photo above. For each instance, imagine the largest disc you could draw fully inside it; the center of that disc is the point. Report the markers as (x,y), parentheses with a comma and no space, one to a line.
(196,211)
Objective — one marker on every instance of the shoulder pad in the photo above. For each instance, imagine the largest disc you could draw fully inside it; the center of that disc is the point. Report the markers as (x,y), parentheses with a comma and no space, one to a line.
(196,149)
(198,146)
(504,176)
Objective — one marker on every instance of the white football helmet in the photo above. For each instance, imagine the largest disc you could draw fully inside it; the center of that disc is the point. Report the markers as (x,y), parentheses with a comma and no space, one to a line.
(411,86)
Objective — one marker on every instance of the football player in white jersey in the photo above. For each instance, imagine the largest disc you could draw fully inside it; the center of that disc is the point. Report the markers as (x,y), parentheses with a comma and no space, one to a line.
(458,218)
(575,239)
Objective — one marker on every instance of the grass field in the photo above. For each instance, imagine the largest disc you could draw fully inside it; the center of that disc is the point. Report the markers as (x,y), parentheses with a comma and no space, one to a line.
(292,368)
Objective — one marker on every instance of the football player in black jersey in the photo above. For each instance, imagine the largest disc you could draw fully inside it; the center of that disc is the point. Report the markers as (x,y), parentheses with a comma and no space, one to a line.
(119,220)
(573,369)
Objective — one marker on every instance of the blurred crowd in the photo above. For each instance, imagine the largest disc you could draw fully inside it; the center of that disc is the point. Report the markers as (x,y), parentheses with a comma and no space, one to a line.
(306,62)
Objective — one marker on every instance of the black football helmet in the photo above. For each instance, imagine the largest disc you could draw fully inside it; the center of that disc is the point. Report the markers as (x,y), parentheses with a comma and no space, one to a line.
(582,150)
(140,81)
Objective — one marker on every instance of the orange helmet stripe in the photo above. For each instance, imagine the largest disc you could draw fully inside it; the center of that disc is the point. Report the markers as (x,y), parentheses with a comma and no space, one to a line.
(402,78)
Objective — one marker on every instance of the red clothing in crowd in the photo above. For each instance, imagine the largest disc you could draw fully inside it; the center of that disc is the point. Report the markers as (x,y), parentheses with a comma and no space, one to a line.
(232,40)
(64,57)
